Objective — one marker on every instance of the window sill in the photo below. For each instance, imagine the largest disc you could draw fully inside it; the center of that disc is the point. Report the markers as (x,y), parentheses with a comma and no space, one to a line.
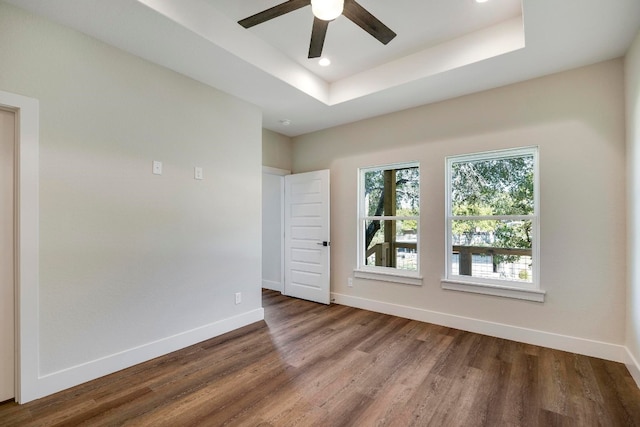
(388,277)
(535,295)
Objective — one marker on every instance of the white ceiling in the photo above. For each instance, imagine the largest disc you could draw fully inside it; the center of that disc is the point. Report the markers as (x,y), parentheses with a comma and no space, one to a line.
(420,24)
(444,49)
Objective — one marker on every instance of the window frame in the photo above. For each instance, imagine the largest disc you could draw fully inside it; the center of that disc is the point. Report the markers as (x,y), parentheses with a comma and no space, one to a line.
(506,288)
(388,274)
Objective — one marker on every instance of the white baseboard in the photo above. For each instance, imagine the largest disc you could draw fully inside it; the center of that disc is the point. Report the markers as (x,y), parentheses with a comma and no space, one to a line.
(602,350)
(70,377)
(61,380)
(273,285)
(632,366)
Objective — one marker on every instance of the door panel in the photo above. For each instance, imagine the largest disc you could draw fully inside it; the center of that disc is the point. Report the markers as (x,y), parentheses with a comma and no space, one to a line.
(307,251)
(7,316)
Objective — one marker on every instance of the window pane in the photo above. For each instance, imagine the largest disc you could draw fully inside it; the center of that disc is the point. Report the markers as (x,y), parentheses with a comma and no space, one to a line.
(392,192)
(407,192)
(392,244)
(373,193)
(492,249)
(493,187)
(406,246)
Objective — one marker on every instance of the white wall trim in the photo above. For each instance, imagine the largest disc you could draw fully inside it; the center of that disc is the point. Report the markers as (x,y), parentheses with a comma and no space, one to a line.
(27,262)
(388,277)
(535,295)
(275,171)
(69,377)
(603,350)
(632,366)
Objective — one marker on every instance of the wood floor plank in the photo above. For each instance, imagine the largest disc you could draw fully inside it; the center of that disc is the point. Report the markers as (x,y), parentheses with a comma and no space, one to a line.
(309,364)
(553,382)
(408,375)
(523,392)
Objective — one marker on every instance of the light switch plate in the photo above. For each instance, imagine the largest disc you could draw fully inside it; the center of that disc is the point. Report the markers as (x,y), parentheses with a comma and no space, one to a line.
(157,167)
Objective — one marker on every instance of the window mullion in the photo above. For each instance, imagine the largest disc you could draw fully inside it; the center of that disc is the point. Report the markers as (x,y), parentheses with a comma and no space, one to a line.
(491,217)
(390,218)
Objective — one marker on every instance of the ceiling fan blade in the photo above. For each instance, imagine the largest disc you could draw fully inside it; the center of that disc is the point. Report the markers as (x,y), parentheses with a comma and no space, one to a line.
(365,20)
(318,34)
(274,12)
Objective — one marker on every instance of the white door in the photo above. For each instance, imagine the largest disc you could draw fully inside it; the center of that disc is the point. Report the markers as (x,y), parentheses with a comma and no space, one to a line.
(306,219)
(7,317)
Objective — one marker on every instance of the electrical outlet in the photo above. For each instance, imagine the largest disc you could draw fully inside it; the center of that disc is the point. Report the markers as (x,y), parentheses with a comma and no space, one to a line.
(197,173)
(238,297)
(350,282)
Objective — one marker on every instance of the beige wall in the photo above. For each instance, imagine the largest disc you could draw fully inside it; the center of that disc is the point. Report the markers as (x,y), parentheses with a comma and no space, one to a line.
(632,73)
(128,258)
(276,150)
(577,120)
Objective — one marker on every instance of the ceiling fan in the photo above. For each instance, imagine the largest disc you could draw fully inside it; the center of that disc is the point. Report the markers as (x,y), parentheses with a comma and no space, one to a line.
(325,11)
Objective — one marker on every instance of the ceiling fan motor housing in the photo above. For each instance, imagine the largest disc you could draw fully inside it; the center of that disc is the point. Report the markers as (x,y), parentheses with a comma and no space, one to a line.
(327,10)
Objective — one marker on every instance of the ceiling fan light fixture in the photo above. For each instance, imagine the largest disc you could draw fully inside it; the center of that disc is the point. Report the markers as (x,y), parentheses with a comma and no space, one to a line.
(327,10)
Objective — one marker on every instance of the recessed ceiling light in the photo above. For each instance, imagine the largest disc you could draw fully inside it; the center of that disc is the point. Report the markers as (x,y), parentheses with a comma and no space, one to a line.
(324,62)
(481,1)
(285,122)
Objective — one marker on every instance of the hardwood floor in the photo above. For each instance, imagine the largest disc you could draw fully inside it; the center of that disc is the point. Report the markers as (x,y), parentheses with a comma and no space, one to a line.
(309,364)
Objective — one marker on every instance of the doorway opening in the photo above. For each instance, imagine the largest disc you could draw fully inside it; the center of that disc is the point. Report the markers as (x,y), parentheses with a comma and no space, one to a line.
(27,382)
(7,254)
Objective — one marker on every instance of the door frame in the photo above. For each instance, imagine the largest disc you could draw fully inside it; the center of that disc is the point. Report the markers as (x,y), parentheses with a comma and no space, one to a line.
(26,240)
(281,173)
(11,324)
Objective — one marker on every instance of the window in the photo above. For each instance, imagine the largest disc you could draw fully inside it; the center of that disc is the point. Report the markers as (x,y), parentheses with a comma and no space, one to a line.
(492,223)
(388,223)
